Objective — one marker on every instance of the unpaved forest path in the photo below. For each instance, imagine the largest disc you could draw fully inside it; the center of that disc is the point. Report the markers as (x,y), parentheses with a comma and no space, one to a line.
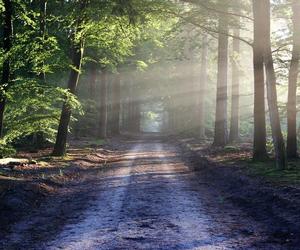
(152,199)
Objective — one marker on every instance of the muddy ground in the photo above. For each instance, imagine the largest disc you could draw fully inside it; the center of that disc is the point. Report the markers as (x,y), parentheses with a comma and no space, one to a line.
(144,193)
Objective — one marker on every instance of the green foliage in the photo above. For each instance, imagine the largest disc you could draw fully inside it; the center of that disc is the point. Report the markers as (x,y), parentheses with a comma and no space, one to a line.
(6,150)
(33,107)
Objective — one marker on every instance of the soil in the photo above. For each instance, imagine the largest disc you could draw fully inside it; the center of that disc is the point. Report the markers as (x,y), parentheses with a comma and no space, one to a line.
(143,193)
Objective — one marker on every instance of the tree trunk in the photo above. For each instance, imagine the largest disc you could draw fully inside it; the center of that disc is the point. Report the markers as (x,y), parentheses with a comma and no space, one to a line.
(136,116)
(62,133)
(7,43)
(235,91)
(259,142)
(126,106)
(39,137)
(221,133)
(131,109)
(278,141)
(93,81)
(102,130)
(115,125)
(292,90)
(76,50)
(43,14)
(203,83)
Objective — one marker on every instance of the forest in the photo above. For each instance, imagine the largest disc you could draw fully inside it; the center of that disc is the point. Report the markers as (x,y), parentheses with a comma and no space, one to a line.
(149,124)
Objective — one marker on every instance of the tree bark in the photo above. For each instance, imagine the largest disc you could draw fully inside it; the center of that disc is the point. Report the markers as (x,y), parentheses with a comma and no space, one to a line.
(6,71)
(115,125)
(221,133)
(203,83)
(102,130)
(259,140)
(292,89)
(278,142)
(235,91)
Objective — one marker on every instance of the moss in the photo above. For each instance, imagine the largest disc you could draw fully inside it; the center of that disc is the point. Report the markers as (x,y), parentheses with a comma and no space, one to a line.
(268,170)
(97,142)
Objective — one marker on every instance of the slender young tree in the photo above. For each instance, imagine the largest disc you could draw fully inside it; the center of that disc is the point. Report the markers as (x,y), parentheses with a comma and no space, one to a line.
(43,15)
(39,137)
(102,129)
(259,140)
(76,52)
(116,92)
(203,83)
(277,136)
(136,116)
(6,69)
(292,89)
(235,90)
(221,133)
(131,112)
(93,80)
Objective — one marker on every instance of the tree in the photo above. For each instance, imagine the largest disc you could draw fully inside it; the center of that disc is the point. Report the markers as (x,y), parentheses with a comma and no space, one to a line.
(292,89)
(203,86)
(102,129)
(116,103)
(76,52)
(39,137)
(221,133)
(6,68)
(43,15)
(235,91)
(278,141)
(93,80)
(259,142)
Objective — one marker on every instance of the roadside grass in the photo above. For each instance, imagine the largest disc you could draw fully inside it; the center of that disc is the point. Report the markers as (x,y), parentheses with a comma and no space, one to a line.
(97,142)
(240,155)
(267,169)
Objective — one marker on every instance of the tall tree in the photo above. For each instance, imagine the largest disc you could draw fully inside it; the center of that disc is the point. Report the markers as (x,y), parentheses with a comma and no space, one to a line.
(76,52)
(102,129)
(6,69)
(292,89)
(277,136)
(203,83)
(235,90)
(116,92)
(39,137)
(221,133)
(136,116)
(93,80)
(43,15)
(259,142)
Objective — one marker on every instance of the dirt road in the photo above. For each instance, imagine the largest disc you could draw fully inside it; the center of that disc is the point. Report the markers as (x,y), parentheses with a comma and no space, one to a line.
(152,199)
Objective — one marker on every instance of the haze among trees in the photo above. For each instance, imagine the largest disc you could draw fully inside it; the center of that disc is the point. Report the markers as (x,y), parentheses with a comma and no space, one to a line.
(63,59)
(220,77)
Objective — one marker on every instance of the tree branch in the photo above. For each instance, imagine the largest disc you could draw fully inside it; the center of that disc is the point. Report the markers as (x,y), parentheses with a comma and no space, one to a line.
(218,11)
(209,30)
